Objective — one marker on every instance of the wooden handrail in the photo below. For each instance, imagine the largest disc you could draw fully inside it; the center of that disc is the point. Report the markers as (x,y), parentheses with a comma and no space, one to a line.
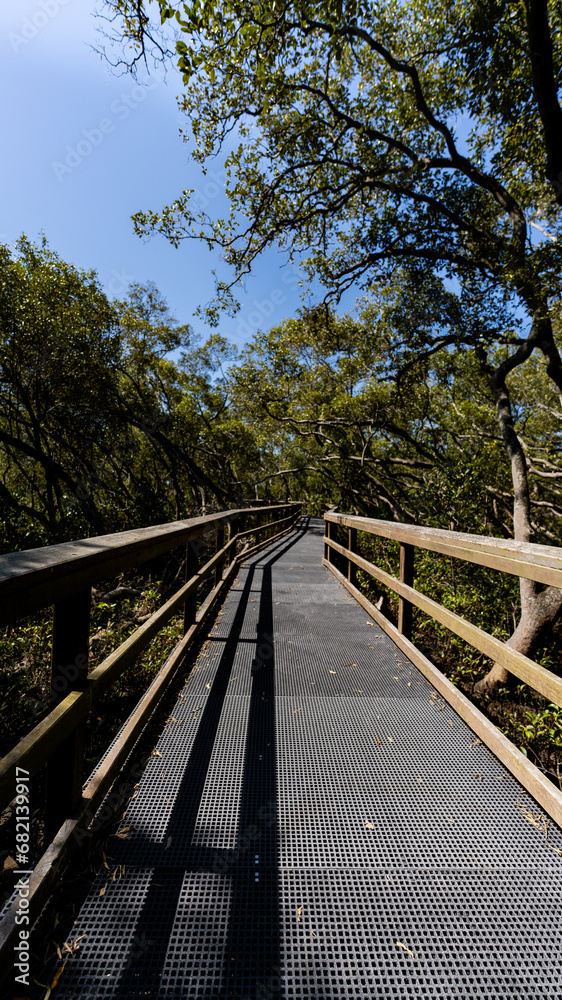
(38,578)
(532,561)
(536,562)
(539,678)
(56,571)
(95,560)
(542,563)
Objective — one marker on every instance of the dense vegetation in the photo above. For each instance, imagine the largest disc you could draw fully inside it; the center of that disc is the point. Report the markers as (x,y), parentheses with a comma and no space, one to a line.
(410,151)
(114,415)
(387,143)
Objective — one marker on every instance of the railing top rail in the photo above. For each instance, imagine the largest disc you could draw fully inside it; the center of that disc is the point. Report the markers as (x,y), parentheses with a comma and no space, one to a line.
(531,560)
(36,578)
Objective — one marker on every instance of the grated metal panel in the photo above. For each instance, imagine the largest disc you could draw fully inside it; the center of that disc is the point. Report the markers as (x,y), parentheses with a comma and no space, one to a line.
(315,822)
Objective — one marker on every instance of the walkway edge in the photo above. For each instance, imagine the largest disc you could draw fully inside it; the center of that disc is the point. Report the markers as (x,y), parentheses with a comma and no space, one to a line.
(535,782)
(69,839)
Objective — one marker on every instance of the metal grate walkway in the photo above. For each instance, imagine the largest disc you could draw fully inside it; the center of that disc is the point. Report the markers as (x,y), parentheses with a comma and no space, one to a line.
(316,824)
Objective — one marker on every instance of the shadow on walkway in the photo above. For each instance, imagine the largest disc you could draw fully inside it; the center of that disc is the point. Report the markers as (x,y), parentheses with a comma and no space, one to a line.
(248,872)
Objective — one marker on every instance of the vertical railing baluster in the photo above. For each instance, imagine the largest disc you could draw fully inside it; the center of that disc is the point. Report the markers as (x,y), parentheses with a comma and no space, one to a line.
(69,672)
(191,567)
(406,576)
(352,546)
(227,539)
(219,545)
(239,526)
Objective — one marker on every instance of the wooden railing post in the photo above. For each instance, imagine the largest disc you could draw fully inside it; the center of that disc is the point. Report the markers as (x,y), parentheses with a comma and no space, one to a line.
(69,672)
(330,535)
(191,567)
(220,564)
(229,555)
(407,577)
(352,546)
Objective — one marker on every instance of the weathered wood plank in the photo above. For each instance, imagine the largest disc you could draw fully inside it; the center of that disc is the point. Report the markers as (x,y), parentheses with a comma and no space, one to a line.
(269,524)
(245,554)
(37,747)
(407,577)
(70,837)
(69,672)
(542,563)
(545,793)
(527,670)
(37,578)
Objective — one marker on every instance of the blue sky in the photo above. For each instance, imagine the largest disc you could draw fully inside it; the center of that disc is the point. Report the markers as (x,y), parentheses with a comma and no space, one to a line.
(84,149)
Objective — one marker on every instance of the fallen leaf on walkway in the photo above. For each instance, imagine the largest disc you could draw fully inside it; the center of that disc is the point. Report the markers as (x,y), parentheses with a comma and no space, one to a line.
(390,740)
(57,976)
(476,743)
(451,724)
(479,776)
(449,818)
(73,947)
(356,690)
(431,702)
(556,849)
(193,711)
(420,781)
(105,862)
(409,684)
(411,953)
(378,742)
(333,671)
(537,820)
(299,911)
(297,710)
(441,709)
(156,753)
(369,826)
(208,686)
(350,664)
(102,891)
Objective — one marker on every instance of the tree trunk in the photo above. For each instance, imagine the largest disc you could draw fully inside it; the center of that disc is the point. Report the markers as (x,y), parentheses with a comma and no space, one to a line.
(539,607)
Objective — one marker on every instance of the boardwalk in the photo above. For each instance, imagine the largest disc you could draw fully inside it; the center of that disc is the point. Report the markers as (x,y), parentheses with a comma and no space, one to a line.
(314,823)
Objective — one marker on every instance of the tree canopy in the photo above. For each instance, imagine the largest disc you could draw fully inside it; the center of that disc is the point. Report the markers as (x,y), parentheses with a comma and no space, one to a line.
(100,428)
(423,134)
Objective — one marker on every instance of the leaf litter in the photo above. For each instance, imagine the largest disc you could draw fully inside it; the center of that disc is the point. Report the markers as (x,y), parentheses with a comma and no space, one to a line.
(410,952)
(537,820)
